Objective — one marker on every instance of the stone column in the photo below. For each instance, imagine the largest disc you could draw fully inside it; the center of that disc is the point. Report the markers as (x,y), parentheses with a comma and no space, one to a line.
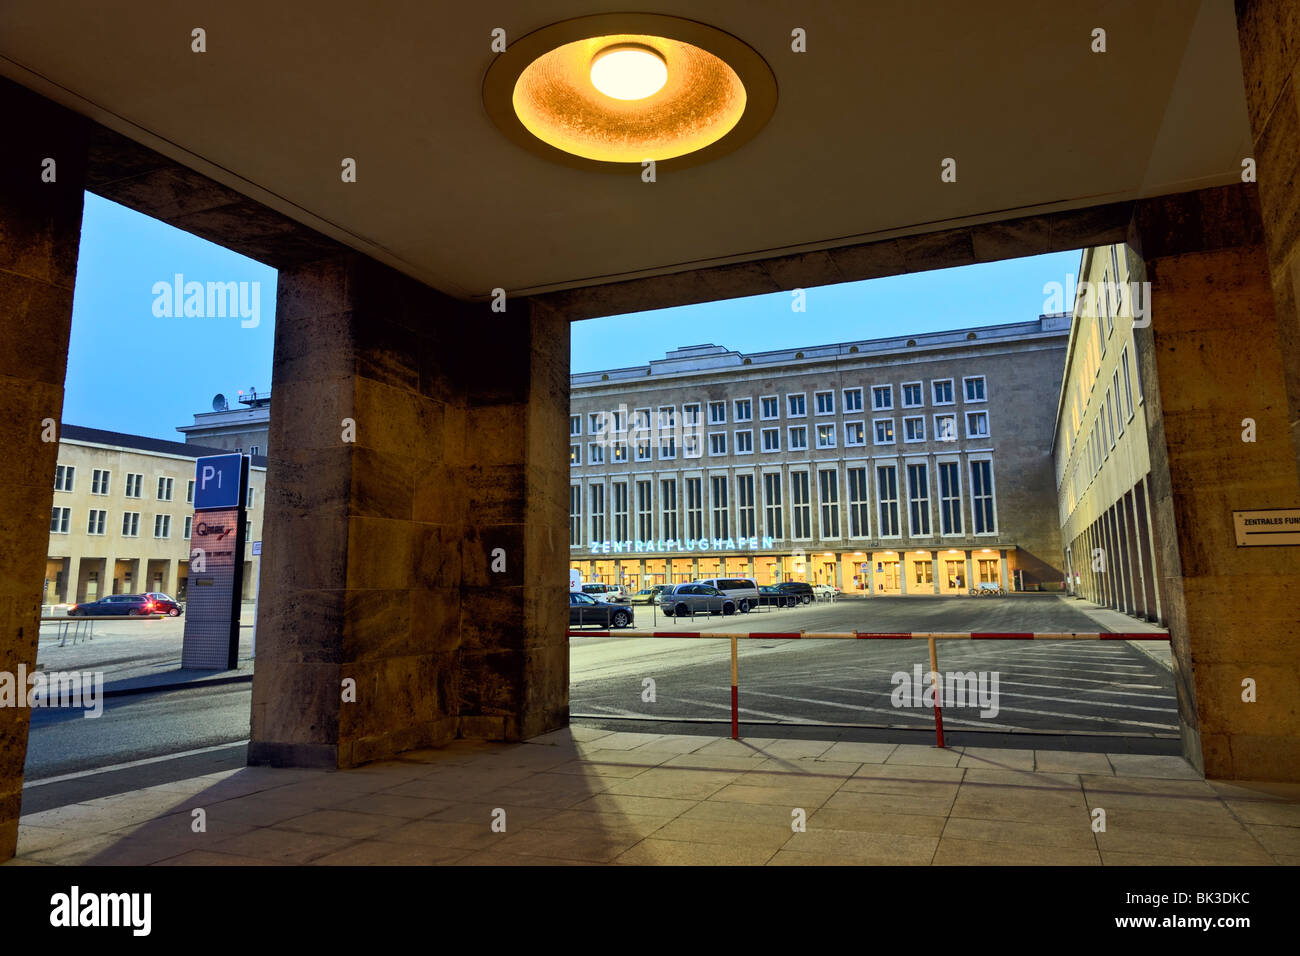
(934,569)
(1215,354)
(40,230)
(1002,568)
(970,581)
(416,507)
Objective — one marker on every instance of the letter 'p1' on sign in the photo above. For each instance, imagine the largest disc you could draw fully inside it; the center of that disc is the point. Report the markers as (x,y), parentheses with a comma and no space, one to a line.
(216,481)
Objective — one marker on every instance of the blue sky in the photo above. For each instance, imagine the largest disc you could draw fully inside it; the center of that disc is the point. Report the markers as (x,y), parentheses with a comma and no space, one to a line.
(132,371)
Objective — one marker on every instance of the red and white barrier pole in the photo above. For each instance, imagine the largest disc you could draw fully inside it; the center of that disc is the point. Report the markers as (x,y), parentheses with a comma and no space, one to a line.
(938,691)
(735,691)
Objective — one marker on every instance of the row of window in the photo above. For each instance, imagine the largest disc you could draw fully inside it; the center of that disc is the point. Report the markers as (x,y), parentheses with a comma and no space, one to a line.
(101,483)
(825,436)
(907,492)
(1115,409)
(912,395)
(97,523)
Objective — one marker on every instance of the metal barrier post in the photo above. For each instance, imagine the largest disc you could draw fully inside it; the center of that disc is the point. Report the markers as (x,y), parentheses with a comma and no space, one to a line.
(735,693)
(938,691)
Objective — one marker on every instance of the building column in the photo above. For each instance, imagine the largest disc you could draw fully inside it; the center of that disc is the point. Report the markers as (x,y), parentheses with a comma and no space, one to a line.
(902,572)
(871,574)
(934,569)
(1002,569)
(72,570)
(970,580)
(1231,610)
(416,487)
(40,230)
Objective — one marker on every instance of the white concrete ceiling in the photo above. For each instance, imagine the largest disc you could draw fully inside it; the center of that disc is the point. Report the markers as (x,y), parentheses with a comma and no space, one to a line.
(885,91)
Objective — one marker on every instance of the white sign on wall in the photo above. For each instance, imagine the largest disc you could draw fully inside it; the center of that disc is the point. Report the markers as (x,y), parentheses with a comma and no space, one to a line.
(1271,528)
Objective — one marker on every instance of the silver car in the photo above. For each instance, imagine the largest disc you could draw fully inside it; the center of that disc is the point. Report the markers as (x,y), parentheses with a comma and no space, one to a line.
(682,600)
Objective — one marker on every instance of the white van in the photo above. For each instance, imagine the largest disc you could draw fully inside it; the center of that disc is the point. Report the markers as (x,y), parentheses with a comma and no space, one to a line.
(744,591)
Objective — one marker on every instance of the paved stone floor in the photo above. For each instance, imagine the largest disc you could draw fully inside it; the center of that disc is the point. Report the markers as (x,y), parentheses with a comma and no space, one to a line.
(587,796)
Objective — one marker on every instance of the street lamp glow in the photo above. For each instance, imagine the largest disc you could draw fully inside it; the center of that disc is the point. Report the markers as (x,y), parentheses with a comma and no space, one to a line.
(627,71)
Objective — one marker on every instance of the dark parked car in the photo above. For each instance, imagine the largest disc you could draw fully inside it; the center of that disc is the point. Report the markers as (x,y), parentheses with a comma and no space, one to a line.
(680,600)
(164,604)
(769,595)
(131,605)
(584,609)
(801,590)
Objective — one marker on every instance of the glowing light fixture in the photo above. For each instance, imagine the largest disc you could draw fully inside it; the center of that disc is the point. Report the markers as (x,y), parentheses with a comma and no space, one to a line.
(628,71)
(613,90)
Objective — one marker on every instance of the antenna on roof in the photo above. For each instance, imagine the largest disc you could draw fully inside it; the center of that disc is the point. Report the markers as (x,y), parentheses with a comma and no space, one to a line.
(219,403)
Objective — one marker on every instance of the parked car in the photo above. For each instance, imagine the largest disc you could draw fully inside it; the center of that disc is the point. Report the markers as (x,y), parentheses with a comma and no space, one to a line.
(769,595)
(800,589)
(129,605)
(605,592)
(825,592)
(585,609)
(744,591)
(164,604)
(679,600)
(646,595)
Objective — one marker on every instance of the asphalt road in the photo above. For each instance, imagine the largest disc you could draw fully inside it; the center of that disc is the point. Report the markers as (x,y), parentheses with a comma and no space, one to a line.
(1064,687)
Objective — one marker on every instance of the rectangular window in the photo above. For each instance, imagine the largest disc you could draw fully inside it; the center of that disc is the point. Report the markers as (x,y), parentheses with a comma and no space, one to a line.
(575,425)
(882,397)
(717,413)
(884,431)
(769,407)
(799,438)
(99,482)
(721,507)
(942,390)
(164,489)
(912,397)
(744,410)
(914,428)
(643,449)
(825,402)
(717,443)
(974,388)
(162,526)
(796,406)
(918,499)
(746,522)
(189,521)
(945,427)
(131,524)
(949,498)
(667,446)
(255,450)
(620,511)
(575,454)
(620,425)
(667,418)
(575,516)
(858,505)
(691,414)
(596,453)
(977,424)
(1110,419)
(855,433)
(1128,384)
(98,518)
(251,495)
(694,508)
(771,439)
(745,442)
(668,508)
(597,513)
(596,422)
(691,445)
(772,508)
(618,451)
(59,520)
(829,495)
(189,492)
(981,496)
(852,400)
(63,475)
(826,436)
(641,419)
(800,505)
(134,486)
(887,496)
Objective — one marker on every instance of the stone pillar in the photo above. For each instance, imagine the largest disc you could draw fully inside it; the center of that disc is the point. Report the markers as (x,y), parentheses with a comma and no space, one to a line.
(1214,355)
(40,230)
(970,581)
(871,574)
(417,496)
(934,569)
(1002,568)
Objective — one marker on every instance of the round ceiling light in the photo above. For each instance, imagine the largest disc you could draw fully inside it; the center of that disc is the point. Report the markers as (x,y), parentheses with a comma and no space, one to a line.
(628,71)
(613,90)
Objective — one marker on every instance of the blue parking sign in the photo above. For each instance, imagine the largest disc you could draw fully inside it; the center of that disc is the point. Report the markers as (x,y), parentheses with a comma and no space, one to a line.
(217,481)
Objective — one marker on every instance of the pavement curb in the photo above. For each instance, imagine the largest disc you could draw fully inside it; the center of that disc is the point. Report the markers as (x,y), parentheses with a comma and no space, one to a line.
(178,685)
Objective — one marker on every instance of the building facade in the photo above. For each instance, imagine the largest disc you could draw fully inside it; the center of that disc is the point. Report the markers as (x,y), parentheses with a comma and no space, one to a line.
(894,466)
(246,430)
(1101,450)
(123,507)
